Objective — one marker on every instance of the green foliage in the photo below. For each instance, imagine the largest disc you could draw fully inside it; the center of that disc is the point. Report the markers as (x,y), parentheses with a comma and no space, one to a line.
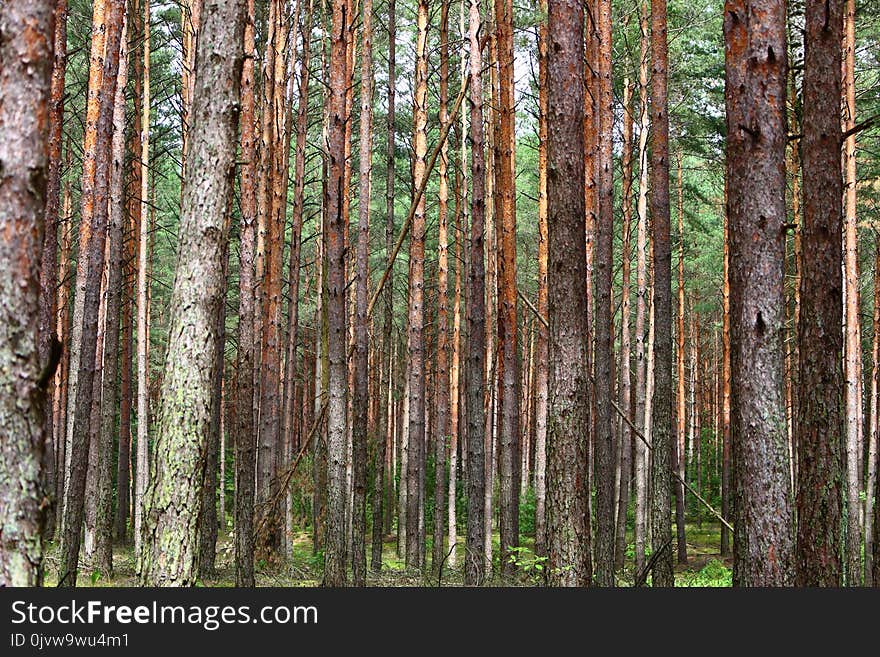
(527,513)
(713,574)
(529,564)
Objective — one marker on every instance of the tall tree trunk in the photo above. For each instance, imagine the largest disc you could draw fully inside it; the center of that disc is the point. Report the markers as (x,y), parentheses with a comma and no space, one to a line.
(245,443)
(142,461)
(678,448)
(872,433)
(103,557)
(442,381)
(475,308)
(541,351)
(334,548)
(661,421)
(508,363)
(25,89)
(756,68)
(624,450)
(820,411)
(568,422)
(727,436)
(208,522)
(49,256)
(383,480)
(172,501)
(107,19)
(63,331)
(416,301)
(853,340)
(275,205)
(640,531)
(289,419)
(604,262)
(361,327)
(133,207)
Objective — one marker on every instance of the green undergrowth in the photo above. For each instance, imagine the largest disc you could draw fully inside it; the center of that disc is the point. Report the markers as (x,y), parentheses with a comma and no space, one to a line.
(705,566)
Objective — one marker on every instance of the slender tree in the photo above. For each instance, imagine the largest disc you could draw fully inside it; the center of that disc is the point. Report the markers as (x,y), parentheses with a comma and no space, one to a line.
(624,449)
(49,259)
(852,331)
(334,556)
(820,410)
(109,397)
(541,349)
(417,371)
(604,263)
(640,530)
(474,572)
(361,328)
(107,17)
(245,456)
(142,472)
(661,420)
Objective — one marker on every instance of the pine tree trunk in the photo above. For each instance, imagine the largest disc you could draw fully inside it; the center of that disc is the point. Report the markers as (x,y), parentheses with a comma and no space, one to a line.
(541,353)
(640,531)
(756,69)
(820,410)
(853,341)
(476,326)
(133,207)
(678,449)
(604,264)
(289,419)
(107,18)
(25,92)
(384,483)
(417,355)
(103,558)
(63,332)
(142,461)
(661,420)
(334,547)
(568,421)
(727,436)
(49,256)
(442,381)
(624,450)
(245,443)
(508,363)
(172,501)
(361,328)
(208,523)
(872,433)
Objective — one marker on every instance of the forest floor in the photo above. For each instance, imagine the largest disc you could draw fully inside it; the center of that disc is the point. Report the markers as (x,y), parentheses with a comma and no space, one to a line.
(705,566)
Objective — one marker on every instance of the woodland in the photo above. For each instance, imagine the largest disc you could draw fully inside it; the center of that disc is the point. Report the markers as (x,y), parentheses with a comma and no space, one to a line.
(439,293)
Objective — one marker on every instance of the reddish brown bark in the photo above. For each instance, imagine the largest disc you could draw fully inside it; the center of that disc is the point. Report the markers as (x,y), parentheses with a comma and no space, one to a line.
(568,527)
(107,18)
(820,422)
(25,89)
(756,67)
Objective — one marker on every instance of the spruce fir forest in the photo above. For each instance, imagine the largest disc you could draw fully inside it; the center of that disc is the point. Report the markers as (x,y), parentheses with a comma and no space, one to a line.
(439,293)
